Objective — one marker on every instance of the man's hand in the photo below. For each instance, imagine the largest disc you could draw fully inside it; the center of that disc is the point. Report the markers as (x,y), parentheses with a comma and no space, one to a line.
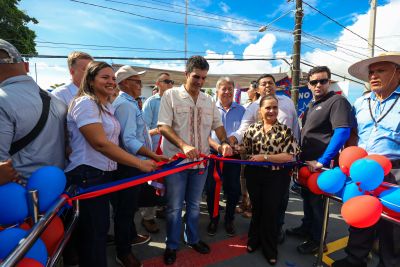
(159,158)
(7,172)
(226,150)
(232,140)
(314,165)
(147,166)
(259,157)
(190,152)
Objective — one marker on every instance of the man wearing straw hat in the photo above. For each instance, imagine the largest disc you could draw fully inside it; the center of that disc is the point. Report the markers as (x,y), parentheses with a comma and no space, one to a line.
(378,125)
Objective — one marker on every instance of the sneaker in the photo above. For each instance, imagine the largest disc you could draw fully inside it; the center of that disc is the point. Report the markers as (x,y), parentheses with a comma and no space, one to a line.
(201,247)
(150,226)
(230,228)
(140,239)
(212,228)
(345,263)
(310,247)
(129,260)
(298,232)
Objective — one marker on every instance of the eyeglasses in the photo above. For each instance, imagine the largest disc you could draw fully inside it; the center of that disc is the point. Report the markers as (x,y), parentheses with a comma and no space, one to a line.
(138,81)
(321,81)
(168,81)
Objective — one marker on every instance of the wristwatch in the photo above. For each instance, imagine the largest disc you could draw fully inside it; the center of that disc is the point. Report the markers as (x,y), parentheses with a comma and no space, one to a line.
(266,157)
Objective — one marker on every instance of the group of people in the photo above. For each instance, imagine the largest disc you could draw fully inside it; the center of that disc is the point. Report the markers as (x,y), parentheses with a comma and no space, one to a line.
(97,135)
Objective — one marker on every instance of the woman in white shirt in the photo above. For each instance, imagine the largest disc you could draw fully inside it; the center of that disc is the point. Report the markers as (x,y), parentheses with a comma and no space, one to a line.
(93,134)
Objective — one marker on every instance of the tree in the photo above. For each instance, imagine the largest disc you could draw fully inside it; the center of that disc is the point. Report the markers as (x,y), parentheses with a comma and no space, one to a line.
(209,92)
(14,29)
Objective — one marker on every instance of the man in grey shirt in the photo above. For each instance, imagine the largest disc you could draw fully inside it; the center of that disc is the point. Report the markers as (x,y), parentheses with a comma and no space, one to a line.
(20,110)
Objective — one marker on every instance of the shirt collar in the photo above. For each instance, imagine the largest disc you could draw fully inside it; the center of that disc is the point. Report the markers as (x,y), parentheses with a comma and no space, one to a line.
(373,96)
(233,105)
(19,78)
(325,97)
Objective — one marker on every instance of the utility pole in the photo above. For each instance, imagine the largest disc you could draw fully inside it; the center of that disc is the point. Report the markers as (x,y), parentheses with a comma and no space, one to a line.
(372,21)
(296,52)
(186,31)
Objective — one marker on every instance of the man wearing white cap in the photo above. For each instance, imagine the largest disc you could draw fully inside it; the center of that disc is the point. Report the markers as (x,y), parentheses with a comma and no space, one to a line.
(378,125)
(135,139)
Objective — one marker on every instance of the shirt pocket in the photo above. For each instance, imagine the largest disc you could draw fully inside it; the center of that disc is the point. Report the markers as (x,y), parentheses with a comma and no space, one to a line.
(207,117)
(182,117)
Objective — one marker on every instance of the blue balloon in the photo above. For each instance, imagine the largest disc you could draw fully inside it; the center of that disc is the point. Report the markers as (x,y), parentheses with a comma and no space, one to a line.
(13,204)
(391,199)
(349,191)
(331,181)
(10,238)
(367,173)
(50,182)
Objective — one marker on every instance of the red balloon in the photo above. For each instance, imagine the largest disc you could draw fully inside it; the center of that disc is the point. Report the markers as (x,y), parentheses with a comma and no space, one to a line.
(312,183)
(348,156)
(27,262)
(53,235)
(303,175)
(356,213)
(383,161)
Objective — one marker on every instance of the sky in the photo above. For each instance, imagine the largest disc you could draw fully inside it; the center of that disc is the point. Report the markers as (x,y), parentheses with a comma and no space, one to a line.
(216,29)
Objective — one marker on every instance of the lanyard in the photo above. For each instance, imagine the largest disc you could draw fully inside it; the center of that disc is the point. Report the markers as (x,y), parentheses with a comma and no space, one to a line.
(382,116)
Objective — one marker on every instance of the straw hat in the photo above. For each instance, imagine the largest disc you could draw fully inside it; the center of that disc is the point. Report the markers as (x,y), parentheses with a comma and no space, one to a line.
(360,69)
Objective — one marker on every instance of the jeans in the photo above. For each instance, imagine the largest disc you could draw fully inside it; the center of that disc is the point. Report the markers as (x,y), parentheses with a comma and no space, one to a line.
(185,186)
(94,216)
(231,186)
(125,204)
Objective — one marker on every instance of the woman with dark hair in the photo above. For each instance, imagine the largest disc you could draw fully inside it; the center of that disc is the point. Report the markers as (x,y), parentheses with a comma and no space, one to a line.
(93,134)
(267,140)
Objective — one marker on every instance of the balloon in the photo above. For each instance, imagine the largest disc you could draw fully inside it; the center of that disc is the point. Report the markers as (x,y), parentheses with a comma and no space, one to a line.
(13,204)
(303,175)
(331,181)
(383,161)
(10,238)
(362,211)
(349,191)
(391,199)
(348,156)
(367,173)
(312,183)
(27,262)
(50,182)
(53,234)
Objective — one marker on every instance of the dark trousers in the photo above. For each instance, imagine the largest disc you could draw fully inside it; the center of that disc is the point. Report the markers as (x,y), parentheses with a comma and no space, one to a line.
(282,209)
(231,186)
(361,240)
(125,204)
(313,206)
(266,188)
(94,216)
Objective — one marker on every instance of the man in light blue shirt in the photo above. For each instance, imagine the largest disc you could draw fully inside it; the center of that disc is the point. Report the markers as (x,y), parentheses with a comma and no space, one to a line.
(231,114)
(378,126)
(151,107)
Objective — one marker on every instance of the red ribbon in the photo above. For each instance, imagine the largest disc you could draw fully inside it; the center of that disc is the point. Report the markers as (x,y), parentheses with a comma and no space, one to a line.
(218,185)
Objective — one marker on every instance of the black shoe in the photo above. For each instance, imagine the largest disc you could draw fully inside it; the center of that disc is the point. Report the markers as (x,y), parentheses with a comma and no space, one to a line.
(169,256)
(345,263)
(310,247)
(212,228)
(230,228)
(200,247)
(281,236)
(298,232)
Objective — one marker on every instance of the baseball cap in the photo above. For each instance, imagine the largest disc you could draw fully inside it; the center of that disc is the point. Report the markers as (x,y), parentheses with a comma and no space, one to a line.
(13,55)
(126,71)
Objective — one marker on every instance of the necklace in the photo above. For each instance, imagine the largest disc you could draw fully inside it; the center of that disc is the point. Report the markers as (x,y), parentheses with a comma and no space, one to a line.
(383,115)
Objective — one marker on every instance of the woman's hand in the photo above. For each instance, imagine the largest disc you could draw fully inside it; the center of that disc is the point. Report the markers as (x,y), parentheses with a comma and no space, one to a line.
(147,166)
(259,157)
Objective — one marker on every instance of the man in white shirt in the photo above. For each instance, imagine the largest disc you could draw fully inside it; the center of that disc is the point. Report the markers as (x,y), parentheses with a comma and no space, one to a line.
(77,63)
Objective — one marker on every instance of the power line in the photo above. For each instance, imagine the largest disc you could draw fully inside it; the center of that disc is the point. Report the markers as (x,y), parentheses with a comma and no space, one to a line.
(341,25)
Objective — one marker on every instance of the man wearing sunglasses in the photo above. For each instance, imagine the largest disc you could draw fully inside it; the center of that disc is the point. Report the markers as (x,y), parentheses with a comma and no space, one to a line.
(326,127)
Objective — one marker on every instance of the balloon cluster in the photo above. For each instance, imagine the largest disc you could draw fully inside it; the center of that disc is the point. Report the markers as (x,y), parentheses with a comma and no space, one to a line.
(357,182)
(14,215)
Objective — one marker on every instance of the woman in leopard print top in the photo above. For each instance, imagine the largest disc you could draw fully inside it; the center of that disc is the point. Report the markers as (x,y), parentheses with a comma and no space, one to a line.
(267,140)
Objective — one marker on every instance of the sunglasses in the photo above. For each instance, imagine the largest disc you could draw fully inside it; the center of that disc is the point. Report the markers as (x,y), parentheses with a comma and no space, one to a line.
(322,82)
(168,81)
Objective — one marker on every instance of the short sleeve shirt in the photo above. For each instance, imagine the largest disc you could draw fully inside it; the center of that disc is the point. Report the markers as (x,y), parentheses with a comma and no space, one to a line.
(66,93)
(84,111)
(191,121)
(320,120)
(279,139)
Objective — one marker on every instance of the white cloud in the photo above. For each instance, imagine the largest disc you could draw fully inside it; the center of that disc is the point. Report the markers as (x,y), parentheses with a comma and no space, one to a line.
(224,7)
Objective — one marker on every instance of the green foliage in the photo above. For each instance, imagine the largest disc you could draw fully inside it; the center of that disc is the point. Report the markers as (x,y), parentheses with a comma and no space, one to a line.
(14,29)
(209,92)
